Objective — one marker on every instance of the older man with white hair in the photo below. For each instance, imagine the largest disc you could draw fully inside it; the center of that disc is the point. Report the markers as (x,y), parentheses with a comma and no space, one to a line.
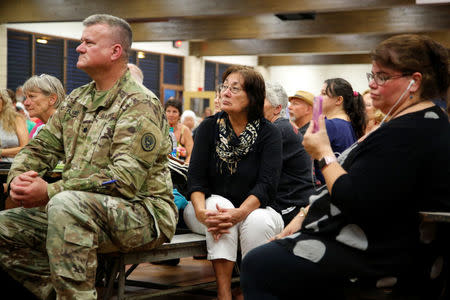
(295,185)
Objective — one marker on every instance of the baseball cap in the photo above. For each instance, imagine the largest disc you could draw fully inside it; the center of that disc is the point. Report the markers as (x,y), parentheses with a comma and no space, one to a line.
(305,96)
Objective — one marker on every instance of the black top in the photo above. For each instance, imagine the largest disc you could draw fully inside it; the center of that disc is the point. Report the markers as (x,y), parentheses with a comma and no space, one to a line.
(295,184)
(370,222)
(257,173)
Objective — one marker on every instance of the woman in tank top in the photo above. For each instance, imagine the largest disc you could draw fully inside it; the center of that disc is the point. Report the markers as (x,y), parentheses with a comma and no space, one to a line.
(13,128)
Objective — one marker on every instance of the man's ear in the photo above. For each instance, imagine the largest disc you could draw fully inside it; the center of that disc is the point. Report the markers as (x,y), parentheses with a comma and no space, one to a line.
(277,109)
(117,52)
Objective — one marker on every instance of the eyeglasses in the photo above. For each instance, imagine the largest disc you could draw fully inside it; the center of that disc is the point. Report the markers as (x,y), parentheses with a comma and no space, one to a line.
(381,78)
(233,89)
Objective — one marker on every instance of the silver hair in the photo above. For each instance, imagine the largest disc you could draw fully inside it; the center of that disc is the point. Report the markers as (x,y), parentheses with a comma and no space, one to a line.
(276,95)
(188,113)
(47,85)
(124,33)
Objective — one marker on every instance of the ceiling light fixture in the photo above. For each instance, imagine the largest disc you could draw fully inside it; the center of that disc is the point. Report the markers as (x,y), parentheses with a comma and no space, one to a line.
(41,41)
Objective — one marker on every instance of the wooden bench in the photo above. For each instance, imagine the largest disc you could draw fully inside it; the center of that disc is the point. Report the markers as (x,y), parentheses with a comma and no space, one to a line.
(182,245)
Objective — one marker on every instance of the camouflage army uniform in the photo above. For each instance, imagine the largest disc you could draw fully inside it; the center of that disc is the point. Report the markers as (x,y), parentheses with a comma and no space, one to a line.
(122,135)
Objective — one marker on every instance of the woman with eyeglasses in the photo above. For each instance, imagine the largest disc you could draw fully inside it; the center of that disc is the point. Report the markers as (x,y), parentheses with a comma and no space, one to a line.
(13,128)
(43,95)
(233,175)
(364,224)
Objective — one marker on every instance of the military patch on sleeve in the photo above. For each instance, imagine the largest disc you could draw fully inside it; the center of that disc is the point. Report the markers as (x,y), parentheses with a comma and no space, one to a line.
(148,141)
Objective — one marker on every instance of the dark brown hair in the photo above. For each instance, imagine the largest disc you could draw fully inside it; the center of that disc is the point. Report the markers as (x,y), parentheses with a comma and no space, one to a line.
(255,88)
(353,103)
(174,103)
(409,53)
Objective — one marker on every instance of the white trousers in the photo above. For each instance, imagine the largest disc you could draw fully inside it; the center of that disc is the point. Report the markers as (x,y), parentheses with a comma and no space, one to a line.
(260,225)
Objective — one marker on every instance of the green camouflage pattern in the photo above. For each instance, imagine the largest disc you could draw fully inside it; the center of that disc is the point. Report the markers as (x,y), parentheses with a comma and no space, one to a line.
(125,138)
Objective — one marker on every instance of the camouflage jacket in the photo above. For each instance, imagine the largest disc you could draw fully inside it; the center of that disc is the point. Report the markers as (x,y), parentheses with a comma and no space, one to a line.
(125,137)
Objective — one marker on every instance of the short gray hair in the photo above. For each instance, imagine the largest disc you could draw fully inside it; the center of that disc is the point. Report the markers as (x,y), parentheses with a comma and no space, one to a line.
(124,33)
(188,113)
(276,95)
(47,84)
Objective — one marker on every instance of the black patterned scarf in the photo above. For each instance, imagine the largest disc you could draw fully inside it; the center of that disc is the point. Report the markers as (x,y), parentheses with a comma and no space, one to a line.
(230,148)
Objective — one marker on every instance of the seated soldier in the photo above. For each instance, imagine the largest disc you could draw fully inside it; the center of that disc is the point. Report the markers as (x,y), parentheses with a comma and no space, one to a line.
(115,193)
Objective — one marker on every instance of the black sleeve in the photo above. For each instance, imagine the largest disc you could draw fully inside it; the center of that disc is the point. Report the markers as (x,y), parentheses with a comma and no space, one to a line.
(269,172)
(198,165)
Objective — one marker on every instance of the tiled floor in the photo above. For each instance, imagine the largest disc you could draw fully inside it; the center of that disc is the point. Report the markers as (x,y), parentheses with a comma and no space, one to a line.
(189,271)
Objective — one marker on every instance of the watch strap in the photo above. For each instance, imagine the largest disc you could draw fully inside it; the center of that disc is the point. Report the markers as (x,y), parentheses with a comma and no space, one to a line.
(325,161)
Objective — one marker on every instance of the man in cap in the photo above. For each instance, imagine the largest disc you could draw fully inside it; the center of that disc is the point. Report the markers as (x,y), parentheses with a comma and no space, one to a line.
(301,109)
(115,193)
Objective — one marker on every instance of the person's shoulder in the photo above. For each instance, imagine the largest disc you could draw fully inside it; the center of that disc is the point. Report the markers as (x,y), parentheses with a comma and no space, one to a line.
(435,115)
(212,120)
(77,95)
(286,126)
(269,129)
(424,126)
(337,122)
(185,129)
(432,116)
(20,118)
(135,90)
(337,125)
(81,90)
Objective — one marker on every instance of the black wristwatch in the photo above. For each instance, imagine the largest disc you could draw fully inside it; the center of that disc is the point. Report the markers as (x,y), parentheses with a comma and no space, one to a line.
(326,160)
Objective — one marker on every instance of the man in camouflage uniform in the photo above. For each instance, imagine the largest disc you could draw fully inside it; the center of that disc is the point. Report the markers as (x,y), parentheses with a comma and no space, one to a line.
(115,192)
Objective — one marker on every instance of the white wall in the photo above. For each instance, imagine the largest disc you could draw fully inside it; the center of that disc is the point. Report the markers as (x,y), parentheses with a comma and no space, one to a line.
(311,77)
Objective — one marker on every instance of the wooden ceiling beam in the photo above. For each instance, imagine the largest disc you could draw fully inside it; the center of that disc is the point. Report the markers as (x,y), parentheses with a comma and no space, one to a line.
(393,20)
(287,60)
(338,44)
(76,10)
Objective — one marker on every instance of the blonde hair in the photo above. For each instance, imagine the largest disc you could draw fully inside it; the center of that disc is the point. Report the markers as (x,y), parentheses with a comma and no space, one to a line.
(47,85)
(8,114)
(377,114)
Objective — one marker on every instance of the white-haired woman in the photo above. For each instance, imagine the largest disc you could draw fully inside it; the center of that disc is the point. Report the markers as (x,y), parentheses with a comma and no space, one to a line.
(188,119)
(295,185)
(43,94)
(13,128)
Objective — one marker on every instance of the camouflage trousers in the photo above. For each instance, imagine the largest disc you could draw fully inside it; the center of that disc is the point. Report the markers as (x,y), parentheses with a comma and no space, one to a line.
(55,247)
